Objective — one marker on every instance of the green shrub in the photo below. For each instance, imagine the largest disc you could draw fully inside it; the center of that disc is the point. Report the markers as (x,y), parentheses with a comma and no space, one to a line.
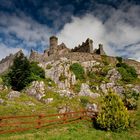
(119,59)
(6,80)
(37,72)
(49,82)
(91,74)
(127,72)
(1,81)
(49,66)
(62,77)
(105,60)
(97,78)
(113,115)
(77,87)
(22,73)
(84,100)
(104,70)
(78,70)
(130,99)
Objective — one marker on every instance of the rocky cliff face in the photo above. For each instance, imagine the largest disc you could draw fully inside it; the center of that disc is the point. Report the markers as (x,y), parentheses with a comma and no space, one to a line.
(6,62)
(59,71)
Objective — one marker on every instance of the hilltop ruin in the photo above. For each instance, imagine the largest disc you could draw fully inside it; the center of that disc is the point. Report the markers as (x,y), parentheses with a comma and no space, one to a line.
(81,53)
(56,50)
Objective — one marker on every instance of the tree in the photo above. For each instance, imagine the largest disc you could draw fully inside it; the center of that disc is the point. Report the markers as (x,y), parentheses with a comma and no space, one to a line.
(113,115)
(22,73)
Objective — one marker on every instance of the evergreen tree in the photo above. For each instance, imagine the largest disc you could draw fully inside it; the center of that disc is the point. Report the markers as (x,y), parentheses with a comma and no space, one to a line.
(22,73)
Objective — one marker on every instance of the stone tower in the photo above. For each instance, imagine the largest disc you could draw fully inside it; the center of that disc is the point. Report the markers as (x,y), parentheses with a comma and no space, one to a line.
(53,45)
(90,44)
(102,52)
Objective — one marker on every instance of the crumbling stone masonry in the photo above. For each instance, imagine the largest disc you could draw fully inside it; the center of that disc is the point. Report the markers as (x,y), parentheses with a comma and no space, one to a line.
(100,50)
(86,47)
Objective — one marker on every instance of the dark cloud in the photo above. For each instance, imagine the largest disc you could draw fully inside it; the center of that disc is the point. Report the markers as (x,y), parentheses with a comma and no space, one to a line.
(29,23)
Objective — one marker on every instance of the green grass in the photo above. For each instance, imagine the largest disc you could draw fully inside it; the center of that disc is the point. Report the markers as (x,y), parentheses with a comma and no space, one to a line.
(79,131)
(1,81)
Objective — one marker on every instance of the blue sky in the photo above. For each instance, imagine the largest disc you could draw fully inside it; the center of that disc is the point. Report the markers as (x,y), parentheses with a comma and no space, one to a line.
(28,24)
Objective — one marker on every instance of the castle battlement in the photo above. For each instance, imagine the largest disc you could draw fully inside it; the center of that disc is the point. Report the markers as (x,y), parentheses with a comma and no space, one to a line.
(86,47)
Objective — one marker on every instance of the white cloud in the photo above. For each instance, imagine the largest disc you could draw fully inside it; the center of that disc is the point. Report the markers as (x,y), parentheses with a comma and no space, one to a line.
(5,51)
(80,29)
(115,33)
(120,29)
(24,28)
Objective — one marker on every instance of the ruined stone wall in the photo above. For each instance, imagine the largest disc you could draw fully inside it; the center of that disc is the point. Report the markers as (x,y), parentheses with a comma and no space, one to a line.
(76,56)
(100,50)
(34,56)
(86,46)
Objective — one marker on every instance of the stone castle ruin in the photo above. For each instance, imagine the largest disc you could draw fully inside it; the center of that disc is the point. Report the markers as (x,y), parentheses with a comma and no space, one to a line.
(55,50)
(86,46)
(83,52)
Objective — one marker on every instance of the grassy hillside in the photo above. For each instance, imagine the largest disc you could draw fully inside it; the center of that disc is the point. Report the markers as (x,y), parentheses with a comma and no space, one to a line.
(79,131)
(98,79)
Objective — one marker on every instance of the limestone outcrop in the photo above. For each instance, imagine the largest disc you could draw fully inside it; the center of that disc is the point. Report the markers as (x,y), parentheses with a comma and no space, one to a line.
(37,90)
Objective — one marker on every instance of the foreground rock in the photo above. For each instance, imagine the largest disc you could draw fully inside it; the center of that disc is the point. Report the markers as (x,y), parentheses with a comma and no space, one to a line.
(2,87)
(13,94)
(59,72)
(1,101)
(66,93)
(64,109)
(48,100)
(92,107)
(37,89)
(113,75)
(85,91)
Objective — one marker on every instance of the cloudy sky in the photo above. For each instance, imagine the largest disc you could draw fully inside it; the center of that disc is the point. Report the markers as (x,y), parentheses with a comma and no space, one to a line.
(28,24)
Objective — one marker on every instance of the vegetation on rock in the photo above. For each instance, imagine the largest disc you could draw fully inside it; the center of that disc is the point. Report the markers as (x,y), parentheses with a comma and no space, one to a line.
(49,66)
(130,99)
(78,70)
(62,77)
(127,72)
(77,87)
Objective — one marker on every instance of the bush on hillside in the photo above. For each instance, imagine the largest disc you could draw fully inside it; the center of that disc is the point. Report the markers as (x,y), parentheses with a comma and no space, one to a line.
(22,73)
(78,70)
(130,99)
(127,72)
(113,115)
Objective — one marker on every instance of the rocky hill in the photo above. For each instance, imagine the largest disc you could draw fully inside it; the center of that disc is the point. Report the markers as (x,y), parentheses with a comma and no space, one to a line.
(74,79)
